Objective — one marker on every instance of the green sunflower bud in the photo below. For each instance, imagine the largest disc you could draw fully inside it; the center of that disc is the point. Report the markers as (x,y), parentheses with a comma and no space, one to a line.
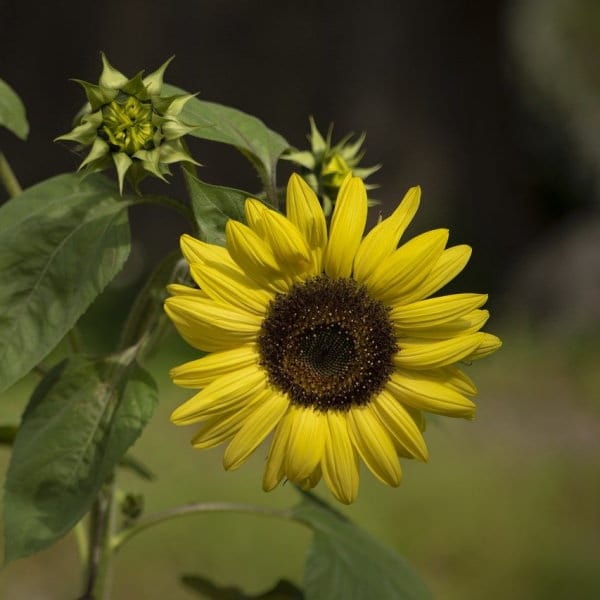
(324,166)
(128,124)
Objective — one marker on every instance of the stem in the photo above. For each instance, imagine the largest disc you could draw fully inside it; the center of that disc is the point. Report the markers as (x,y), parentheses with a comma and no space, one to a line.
(196,508)
(175,205)
(99,575)
(8,178)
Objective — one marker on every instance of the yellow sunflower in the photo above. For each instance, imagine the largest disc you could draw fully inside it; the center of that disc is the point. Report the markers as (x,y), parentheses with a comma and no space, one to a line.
(329,340)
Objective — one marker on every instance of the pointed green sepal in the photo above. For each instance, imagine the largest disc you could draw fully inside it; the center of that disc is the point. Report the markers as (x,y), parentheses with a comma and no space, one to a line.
(154,81)
(99,149)
(122,164)
(111,77)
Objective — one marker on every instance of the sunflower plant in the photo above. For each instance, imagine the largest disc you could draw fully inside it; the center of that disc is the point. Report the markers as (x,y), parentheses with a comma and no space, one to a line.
(318,344)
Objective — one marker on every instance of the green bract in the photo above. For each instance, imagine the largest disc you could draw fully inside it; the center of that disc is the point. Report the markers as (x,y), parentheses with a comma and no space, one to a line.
(324,167)
(129,124)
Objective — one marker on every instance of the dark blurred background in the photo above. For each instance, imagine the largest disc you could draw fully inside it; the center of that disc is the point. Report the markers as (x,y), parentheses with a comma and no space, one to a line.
(494,109)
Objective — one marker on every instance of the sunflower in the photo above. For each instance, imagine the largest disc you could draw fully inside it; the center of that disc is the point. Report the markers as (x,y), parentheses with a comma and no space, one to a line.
(331,341)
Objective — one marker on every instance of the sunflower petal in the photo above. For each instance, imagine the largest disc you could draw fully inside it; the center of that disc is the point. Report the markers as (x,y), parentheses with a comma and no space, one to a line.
(340,464)
(407,267)
(451,262)
(274,469)
(374,445)
(400,424)
(202,371)
(383,239)
(229,392)
(305,212)
(489,343)
(197,251)
(209,326)
(257,427)
(306,443)
(347,225)
(231,287)
(424,393)
(427,354)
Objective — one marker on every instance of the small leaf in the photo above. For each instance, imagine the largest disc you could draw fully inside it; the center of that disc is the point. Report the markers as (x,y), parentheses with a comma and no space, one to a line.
(231,126)
(61,242)
(282,590)
(12,111)
(213,206)
(80,421)
(346,562)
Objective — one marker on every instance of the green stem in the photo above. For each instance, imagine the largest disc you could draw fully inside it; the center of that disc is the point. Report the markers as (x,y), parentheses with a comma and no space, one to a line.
(184,210)
(8,178)
(102,523)
(196,508)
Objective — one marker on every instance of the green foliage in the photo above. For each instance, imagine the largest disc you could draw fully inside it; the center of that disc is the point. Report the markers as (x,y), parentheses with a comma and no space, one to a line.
(61,242)
(346,562)
(80,421)
(12,111)
(249,135)
(282,590)
(213,206)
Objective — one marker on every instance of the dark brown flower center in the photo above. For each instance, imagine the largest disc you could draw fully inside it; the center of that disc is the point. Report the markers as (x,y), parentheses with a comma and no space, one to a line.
(328,344)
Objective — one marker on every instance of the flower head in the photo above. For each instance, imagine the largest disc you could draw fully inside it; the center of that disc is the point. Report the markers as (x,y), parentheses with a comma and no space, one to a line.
(129,124)
(325,166)
(331,341)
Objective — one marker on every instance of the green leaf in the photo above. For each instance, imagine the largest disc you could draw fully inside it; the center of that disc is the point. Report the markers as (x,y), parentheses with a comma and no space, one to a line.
(282,590)
(8,433)
(346,562)
(231,126)
(12,111)
(61,242)
(80,421)
(213,206)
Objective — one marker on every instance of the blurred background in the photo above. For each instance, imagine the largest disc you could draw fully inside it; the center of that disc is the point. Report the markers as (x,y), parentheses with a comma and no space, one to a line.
(494,109)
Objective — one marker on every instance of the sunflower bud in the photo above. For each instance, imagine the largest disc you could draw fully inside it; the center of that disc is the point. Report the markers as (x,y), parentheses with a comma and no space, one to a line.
(129,124)
(324,167)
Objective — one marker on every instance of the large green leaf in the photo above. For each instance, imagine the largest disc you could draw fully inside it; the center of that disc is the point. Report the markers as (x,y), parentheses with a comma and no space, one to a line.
(231,126)
(80,421)
(61,242)
(346,562)
(213,206)
(12,111)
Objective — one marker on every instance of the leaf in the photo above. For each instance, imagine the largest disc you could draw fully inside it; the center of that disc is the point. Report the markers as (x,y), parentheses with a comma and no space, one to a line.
(283,590)
(80,421)
(12,111)
(8,433)
(61,243)
(346,562)
(231,126)
(213,206)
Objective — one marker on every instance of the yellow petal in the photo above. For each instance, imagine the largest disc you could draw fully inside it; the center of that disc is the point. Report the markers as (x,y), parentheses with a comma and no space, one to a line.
(468,324)
(257,427)
(209,326)
(202,371)
(253,256)
(374,445)
(434,311)
(347,226)
(305,212)
(489,343)
(231,287)
(229,392)
(383,239)
(306,442)
(197,251)
(220,428)
(274,470)
(430,354)
(448,266)
(423,393)
(254,211)
(400,424)
(340,464)
(407,267)
(177,289)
